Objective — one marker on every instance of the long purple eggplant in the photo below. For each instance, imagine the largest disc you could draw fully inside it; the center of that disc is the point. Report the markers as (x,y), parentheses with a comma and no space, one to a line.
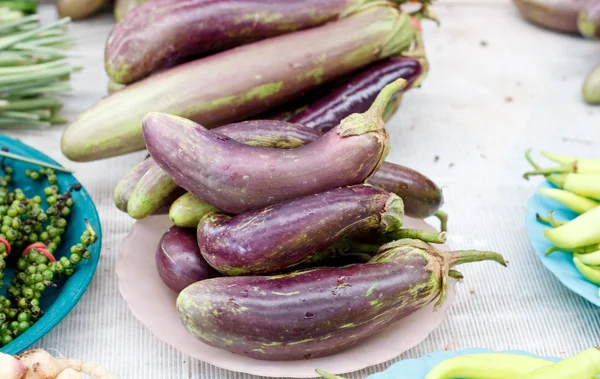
(281,236)
(178,259)
(162,31)
(559,15)
(421,196)
(236,178)
(154,189)
(318,312)
(589,19)
(358,93)
(219,89)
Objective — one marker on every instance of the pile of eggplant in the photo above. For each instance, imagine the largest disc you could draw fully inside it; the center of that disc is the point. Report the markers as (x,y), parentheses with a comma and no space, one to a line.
(265,126)
(290,253)
(569,16)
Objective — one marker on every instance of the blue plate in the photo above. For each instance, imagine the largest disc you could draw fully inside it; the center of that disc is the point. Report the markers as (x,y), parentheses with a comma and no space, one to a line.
(559,263)
(419,368)
(56,302)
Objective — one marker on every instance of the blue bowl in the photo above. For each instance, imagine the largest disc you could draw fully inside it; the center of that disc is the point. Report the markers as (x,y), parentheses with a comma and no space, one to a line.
(559,263)
(419,368)
(56,302)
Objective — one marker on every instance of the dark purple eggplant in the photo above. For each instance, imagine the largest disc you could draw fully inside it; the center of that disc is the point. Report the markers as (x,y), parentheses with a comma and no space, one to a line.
(421,196)
(589,19)
(237,178)
(178,259)
(559,15)
(358,93)
(318,312)
(155,190)
(286,234)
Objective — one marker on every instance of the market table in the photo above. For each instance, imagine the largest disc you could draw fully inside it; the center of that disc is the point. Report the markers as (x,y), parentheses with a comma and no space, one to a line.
(497,86)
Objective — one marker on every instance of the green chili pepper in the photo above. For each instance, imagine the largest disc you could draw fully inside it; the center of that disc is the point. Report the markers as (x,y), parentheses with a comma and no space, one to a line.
(582,231)
(583,365)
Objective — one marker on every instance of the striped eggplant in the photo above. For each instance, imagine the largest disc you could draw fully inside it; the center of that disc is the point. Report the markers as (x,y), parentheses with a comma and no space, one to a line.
(178,259)
(125,187)
(589,19)
(559,15)
(156,190)
(278,237)
(159,32)
(236,178)
(275,71)
(322,311)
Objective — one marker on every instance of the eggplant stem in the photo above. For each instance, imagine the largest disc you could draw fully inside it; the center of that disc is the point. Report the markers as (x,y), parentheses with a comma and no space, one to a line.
(377,109)
(443,217)
(33,161)
(468,256)
(417,234)
(456,275)
(326,375)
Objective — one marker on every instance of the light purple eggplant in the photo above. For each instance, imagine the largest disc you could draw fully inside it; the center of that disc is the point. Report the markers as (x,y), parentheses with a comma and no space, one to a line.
(153,190)
(236,178)
(559,15)
(162,32)
(278,237)
(178,259)
(319,312)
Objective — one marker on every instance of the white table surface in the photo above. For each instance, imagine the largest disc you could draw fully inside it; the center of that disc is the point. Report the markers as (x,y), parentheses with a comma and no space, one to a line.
(478,111)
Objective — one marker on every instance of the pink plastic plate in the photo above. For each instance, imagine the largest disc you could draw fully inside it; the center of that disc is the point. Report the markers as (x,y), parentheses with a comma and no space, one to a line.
(153,304)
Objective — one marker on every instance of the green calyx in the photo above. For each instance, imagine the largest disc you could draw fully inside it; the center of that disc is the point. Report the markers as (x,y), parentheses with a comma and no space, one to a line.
(393,215)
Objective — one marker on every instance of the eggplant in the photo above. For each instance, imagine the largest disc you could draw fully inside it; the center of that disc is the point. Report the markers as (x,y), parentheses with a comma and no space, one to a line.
(589,19)
(274,71)
(156,190)
(358,93)
(278,237)
(421,196)
(237,178)
(178,259)
(591,87)
(122,7)
(125,187)
(163,31)
(559,15)
(322,311)
(79,9)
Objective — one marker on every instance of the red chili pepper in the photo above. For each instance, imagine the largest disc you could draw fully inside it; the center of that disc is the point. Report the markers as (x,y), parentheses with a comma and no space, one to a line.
(5,243)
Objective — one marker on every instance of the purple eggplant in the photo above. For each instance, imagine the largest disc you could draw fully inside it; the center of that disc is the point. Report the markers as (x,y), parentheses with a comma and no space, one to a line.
(155,190)
(358,93)
(219,89)
(421,196)
(286,234)
(162,31)
(178,259)
(559,15)
(589,19)
(322,311)
(236,178)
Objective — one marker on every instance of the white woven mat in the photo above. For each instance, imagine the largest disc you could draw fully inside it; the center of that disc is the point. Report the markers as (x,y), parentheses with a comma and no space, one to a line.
(497,86)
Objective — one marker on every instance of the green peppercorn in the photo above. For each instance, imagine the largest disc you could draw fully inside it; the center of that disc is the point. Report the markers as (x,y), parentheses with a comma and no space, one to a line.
(23,316)
(75,259)
(48,275)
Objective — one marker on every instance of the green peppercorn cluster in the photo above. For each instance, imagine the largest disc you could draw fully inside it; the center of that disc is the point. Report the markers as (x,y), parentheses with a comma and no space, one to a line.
(24,222)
